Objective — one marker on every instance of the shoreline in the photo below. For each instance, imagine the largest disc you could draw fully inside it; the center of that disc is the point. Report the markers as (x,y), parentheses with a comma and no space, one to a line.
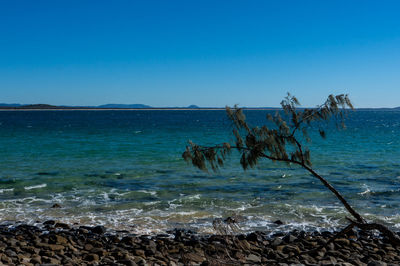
(58,243)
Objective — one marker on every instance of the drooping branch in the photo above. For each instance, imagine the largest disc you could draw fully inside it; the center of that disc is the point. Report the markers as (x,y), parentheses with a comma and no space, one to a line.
(393,238)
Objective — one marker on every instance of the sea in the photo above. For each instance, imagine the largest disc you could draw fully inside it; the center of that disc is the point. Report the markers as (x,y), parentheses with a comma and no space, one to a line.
(124,169)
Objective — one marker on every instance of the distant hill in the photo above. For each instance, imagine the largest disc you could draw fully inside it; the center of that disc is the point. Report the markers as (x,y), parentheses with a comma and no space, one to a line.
(16,106)
(9,104)
(111,105)
(38,106)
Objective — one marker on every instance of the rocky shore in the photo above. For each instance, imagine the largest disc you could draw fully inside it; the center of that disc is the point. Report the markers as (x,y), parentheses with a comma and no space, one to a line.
(60,244)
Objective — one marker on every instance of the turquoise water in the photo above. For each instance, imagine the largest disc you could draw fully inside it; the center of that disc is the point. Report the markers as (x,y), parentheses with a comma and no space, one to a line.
(123,169)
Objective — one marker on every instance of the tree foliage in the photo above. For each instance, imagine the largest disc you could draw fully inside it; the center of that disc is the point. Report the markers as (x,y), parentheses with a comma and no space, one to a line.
(283,141)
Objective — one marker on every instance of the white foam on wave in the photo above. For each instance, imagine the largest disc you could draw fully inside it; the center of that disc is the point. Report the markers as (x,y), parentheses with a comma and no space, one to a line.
(2,190)
(153,193)
(35,187)
(151,203)
(366,191)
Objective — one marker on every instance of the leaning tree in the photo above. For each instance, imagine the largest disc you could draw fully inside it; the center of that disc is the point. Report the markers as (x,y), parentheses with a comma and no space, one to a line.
(284,140)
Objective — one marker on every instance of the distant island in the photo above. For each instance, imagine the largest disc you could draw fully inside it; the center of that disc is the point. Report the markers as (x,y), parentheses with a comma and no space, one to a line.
(15,106)
(112,106)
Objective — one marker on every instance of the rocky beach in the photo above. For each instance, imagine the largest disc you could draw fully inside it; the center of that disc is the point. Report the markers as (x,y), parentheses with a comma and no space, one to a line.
(55,243)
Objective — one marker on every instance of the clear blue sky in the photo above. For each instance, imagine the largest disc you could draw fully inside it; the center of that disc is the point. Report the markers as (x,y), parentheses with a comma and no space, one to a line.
(209,53)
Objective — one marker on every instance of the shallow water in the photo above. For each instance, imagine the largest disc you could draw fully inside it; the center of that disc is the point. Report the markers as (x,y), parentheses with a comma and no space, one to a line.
(124,169)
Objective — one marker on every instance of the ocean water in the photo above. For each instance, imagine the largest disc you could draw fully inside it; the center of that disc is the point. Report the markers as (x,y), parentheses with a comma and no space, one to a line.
(123,169)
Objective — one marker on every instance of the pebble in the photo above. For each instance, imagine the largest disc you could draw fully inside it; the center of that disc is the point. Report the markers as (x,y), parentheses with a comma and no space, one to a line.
(57,243)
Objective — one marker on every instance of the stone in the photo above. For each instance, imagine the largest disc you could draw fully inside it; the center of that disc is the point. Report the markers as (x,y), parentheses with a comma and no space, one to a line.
(88,247)
(127,262)
(49,222)
(376,263)
(342,241)
(289,238)
(50,260)
(98,229)
(252,258)
(55,247)
(62,225)
(276,242)
(254,237)
(36,259)
(245,245)
(57,239)
(6,259)
(91,257)
(139,252)
(10,253)
(291,248)
(193,257)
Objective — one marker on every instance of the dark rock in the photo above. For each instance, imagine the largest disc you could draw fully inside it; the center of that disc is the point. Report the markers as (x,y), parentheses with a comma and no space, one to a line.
(289,238)
(253,237)
(342,241)
(56,205)
(91,257)
(36,260)
(278,222)
(62,225)
(49,222)
(127,262)
(49,260)
(98,229)
(291,248)
(46,253)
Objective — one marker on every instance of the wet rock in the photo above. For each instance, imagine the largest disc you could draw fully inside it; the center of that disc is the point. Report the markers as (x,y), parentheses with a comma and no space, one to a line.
(56,205)
(254,237)
(278,222)
(289,238)
(98,229)
(62,225)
